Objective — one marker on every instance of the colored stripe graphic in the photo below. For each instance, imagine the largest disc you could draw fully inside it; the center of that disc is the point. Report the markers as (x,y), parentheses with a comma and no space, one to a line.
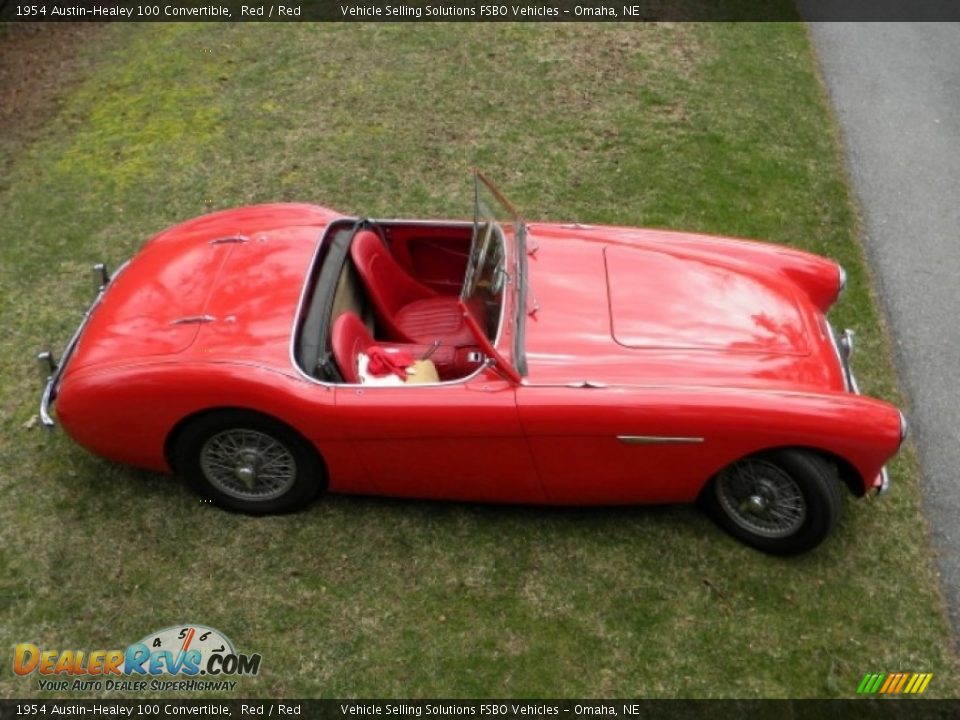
(900,682)
(894,683)
(867,683)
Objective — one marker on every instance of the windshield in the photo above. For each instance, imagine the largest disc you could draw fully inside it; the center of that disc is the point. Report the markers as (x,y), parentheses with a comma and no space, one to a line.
(496,265)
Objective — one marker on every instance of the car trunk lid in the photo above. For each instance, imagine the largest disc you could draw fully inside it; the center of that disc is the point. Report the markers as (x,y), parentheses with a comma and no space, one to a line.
(155,306)
(253,307)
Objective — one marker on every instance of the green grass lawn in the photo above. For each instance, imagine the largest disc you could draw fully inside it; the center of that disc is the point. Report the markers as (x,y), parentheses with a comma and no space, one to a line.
(720,127)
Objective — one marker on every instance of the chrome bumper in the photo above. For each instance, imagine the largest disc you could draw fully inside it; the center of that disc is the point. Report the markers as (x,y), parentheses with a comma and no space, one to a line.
(50,369)
(884,481)
(884,474)
(843,346)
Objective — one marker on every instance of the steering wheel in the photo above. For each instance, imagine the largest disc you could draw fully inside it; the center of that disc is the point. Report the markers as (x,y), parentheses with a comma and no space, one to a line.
(475,266)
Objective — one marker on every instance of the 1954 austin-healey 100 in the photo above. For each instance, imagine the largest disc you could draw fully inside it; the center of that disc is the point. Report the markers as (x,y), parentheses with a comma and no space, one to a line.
(272,352)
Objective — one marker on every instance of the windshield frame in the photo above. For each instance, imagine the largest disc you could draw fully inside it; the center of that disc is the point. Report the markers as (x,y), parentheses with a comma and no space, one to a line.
(518,279)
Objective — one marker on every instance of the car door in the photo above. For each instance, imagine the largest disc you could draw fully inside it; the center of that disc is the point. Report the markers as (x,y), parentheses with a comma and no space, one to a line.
(457,441)
(608,445)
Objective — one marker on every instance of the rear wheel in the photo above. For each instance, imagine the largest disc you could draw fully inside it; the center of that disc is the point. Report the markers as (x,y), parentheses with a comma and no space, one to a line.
(248,462)
(783,502)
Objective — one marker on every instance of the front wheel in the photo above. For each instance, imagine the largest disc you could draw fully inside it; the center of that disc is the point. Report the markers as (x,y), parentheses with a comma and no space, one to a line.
(782,502)
(248,462)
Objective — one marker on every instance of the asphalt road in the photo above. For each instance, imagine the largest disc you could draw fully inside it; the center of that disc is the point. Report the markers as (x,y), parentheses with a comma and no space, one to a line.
(896,91)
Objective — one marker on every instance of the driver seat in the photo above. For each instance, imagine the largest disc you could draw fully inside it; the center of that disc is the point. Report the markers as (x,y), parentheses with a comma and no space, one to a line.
(407,310)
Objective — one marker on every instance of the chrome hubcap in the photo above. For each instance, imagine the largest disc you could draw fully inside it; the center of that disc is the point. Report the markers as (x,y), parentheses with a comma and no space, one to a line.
(248,464)
(247,474)
(762,498)
(756,505)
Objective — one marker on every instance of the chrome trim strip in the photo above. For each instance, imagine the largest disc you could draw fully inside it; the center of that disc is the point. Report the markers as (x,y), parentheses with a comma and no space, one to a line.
(50,388)
(193,320)
(658,440)
(230,239)
(904,427)
(842,282)
(408,221)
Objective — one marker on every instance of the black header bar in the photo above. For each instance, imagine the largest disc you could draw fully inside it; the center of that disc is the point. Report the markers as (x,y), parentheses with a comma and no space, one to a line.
(475,11)
(916,709)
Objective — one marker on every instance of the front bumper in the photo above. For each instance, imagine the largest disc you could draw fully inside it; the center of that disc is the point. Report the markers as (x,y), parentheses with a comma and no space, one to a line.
(843,344)
(52,370)
(884,480)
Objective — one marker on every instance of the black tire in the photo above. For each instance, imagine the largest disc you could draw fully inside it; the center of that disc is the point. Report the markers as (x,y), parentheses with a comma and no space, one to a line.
(248,462)
(782,502)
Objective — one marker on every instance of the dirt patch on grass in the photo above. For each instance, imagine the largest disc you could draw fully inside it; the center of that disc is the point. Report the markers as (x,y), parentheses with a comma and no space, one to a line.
(39,63)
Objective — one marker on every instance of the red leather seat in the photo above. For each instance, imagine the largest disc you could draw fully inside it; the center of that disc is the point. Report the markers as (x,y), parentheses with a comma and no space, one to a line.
(348,338)
(407,310)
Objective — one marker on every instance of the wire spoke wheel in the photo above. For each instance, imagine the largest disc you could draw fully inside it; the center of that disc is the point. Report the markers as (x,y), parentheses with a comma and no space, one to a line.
(248,464)
(783,502)
(762,498)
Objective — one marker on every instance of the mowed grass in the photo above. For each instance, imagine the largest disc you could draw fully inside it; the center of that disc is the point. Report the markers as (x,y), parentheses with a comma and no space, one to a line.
(721,128)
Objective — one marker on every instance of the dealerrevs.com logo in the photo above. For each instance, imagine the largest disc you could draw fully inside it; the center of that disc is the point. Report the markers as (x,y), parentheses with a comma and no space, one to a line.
(199,657)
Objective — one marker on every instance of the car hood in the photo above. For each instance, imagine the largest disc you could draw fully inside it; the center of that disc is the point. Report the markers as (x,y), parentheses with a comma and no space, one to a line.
(222,286)
(648,311)
(659,300)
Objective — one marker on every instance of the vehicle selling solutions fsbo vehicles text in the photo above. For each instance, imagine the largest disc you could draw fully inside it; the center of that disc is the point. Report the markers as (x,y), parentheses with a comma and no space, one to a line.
(519,12)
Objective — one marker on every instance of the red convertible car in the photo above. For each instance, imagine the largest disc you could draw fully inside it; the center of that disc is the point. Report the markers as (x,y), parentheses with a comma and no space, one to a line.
(273,352)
